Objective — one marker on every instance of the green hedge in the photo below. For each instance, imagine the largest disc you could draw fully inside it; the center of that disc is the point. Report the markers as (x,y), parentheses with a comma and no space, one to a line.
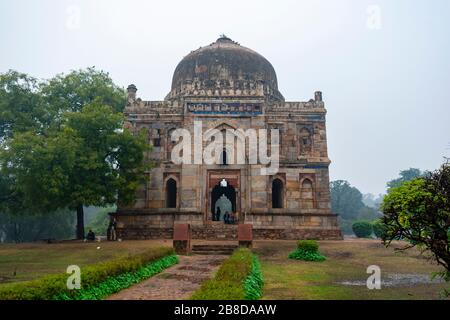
(254,282)
(378,228)
(97,280)
(238,278)
(362,229)
(308,245)
(307,250)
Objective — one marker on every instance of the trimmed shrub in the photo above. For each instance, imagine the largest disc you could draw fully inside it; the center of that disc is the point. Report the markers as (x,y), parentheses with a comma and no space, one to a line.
(300,254)
(362,229)
(308,245)
(307,250)
(54,286)
(238,278)
(378,228)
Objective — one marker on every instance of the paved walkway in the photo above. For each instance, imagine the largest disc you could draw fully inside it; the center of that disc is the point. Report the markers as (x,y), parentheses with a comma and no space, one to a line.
(175,283)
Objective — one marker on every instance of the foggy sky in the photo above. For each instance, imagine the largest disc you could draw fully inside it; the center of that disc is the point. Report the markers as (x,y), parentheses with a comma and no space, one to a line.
(383,66)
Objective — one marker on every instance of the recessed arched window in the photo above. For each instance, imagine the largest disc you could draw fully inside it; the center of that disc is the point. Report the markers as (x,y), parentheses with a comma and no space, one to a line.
(307,194)
(171,193)
(277,194)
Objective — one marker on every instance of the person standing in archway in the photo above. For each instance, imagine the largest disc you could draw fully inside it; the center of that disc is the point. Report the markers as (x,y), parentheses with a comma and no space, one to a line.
(217,217)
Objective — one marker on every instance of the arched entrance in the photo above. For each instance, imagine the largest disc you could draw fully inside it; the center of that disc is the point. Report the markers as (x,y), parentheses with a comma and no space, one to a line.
(223,199)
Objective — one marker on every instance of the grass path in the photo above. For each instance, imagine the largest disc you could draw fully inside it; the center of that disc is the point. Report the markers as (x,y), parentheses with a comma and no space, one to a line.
(347,261)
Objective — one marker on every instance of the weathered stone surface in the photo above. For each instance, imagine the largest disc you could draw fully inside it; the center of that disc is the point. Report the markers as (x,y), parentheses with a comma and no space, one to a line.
(209,86)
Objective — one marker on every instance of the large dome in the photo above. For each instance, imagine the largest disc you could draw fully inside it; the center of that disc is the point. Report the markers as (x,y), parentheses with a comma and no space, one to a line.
(225,64)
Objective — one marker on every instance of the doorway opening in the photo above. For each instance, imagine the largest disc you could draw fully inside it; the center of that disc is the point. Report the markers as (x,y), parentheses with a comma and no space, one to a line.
(223,200)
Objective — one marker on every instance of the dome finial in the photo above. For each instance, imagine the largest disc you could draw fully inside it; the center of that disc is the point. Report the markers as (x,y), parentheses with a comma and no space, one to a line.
(223,38)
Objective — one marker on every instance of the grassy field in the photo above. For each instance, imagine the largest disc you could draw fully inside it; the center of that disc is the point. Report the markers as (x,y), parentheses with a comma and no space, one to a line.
(347,261)
(284,278)
(20,262)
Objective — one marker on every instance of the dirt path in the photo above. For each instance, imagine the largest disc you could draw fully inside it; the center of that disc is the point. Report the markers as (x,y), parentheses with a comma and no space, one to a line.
(175,283)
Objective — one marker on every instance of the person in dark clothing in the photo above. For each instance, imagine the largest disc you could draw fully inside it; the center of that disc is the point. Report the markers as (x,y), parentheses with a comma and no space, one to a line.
(226,218)
(217,218)
(90,235)
(112,229)
(232,218)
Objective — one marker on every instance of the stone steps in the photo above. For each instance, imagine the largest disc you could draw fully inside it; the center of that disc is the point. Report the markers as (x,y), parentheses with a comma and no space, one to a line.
(213,249)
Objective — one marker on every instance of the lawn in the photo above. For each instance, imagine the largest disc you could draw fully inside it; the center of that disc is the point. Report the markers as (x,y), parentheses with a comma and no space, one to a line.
(20,262)
(347,261)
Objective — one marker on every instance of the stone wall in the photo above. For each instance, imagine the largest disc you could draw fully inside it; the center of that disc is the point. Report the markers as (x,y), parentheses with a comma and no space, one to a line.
(304,162)
(282,226)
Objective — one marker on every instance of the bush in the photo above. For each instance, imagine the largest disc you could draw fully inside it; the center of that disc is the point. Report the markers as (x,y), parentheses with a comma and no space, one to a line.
(239,277)
(54,286)
(307,250)
(308,245)
(362,229)
(378,228)
(300,254)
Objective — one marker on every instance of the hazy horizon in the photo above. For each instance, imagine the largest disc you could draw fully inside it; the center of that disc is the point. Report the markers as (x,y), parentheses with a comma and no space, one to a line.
(382,66)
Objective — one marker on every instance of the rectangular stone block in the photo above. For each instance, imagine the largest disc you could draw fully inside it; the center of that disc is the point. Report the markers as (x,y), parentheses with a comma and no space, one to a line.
(245,235)
(182,238)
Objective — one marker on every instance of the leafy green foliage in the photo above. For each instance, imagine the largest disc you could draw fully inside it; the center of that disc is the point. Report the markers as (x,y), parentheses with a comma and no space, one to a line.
(405,176)
(239,277)
(28,227)
(72,91)
(418,211)
(362,229)
(63,146)
(92,278)
(21,105)
(122,281)
(307,250)
(378,228)
(300,254)
(254,282)
(308,245)
(347,202)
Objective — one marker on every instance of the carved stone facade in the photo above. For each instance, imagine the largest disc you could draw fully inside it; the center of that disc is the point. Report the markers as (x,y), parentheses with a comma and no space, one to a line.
(227,86)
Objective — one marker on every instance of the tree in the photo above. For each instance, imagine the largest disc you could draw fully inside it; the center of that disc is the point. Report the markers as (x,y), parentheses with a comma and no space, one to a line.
(345,199)
(418,211)
(362,229)
(62,144)
(88,161)
(405,175)
(32,226)
(73,91)
(372,201)
(21,105)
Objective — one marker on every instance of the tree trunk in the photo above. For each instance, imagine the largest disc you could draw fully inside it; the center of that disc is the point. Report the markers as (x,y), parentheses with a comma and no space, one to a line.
(80,222)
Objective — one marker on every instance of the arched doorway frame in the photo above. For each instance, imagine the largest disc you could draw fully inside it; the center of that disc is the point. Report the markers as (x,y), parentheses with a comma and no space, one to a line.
(282,178)
(177,181)
(233,177)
